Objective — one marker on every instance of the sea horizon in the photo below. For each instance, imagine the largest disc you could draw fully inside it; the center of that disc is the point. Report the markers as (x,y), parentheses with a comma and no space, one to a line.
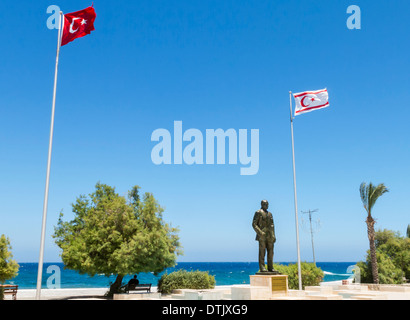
(225,273)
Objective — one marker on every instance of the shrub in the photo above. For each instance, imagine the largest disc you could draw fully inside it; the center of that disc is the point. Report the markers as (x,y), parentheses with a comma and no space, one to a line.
(311,274)
(183,279)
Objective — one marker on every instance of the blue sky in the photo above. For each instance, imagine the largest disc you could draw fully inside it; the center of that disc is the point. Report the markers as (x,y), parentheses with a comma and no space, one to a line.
(210,64)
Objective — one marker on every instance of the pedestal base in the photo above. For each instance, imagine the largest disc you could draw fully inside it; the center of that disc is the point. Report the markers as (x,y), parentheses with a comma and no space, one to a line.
(277,283)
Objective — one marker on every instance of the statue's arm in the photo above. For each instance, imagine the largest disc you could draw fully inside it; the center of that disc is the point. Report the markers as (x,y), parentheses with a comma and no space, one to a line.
(274,234)
(255,223)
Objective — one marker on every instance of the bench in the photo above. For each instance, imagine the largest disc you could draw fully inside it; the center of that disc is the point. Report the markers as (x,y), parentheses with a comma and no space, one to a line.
(139,287)
(10,289)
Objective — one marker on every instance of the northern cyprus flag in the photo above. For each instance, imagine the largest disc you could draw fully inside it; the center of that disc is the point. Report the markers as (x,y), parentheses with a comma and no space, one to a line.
(310,100)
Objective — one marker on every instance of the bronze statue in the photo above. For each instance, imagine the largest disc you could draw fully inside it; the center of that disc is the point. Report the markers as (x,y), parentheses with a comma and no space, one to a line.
(265,234)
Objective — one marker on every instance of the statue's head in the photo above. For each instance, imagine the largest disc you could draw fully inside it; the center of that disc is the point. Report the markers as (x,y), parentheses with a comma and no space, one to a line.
(265,204)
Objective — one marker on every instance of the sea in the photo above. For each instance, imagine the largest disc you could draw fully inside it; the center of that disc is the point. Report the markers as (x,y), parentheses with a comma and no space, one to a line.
(225,273)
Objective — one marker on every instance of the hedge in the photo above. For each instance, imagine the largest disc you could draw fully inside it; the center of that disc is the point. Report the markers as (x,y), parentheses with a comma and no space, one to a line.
(183,279)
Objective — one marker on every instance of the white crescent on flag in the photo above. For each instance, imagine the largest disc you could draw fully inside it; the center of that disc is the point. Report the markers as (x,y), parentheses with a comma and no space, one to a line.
(310,100)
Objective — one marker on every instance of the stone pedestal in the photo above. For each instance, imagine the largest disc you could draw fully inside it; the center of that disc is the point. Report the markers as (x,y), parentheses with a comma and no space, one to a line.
(277,283)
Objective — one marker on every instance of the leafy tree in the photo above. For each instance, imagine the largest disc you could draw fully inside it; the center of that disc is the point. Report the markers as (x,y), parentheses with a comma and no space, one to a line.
(393,258)
(369,195)
(397,248)
(388,273)
(8,267)
(408,231)
(111,234)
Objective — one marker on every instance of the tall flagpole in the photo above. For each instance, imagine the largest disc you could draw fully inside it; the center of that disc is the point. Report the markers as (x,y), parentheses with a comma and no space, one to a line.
(294,189)
(50,145)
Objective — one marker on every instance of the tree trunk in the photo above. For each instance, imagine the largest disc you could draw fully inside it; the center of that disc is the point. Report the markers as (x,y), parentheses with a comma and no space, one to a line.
(116,285)
(371,234)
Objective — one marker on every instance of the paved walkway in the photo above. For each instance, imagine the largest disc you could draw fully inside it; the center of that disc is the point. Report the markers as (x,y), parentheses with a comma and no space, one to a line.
(327,291)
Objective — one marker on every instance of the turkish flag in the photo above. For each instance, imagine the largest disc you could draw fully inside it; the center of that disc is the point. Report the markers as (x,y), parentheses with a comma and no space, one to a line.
(77,24)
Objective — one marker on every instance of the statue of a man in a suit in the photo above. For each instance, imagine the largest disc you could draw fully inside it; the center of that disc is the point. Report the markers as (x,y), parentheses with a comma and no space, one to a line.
(265,234)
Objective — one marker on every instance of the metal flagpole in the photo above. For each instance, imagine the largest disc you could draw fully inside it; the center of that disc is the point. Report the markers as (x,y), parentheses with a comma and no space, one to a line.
(50,144)
(294,189)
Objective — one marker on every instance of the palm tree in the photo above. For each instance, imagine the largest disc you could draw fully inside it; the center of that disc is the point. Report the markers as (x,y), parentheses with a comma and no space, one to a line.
(369,194)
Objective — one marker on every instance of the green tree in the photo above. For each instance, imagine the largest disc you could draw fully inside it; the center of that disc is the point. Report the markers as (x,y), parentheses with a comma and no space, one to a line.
(112,234)
(8,267)
(388,273)
(393,258)
(369,195)
(408,231)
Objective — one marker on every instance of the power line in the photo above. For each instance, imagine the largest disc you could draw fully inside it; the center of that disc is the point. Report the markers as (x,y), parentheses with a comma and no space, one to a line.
(311,231)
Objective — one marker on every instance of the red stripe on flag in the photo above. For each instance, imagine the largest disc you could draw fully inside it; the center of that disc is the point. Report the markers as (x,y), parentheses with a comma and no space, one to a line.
(310,92)
(311,108)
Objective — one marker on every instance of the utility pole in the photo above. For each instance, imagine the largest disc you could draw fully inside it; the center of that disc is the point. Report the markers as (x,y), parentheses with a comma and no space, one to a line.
(311,231)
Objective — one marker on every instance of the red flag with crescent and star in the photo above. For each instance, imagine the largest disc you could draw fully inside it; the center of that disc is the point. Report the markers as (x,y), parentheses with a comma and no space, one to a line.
(311,100)
(77,24)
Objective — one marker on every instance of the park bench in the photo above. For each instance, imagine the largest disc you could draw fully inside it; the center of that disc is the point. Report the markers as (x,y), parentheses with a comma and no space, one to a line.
(10,289)
(138,287)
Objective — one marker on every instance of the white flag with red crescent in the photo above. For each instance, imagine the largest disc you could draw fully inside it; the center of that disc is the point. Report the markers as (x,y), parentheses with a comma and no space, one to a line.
(310,100)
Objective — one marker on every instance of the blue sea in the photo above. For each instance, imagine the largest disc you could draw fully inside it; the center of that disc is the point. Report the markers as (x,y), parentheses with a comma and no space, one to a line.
(226,273)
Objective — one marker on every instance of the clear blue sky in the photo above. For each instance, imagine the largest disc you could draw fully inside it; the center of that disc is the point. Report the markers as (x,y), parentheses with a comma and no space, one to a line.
(211,64)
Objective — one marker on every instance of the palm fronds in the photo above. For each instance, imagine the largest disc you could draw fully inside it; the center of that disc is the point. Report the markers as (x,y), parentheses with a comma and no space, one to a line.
(370,193)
